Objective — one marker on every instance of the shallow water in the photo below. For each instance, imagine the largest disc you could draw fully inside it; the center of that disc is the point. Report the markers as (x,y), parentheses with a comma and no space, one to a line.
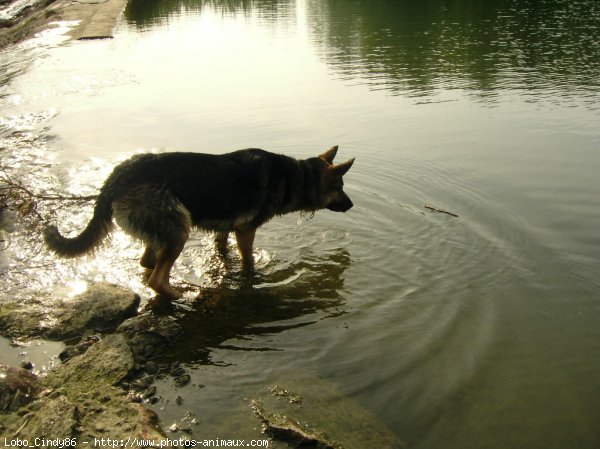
(473,331)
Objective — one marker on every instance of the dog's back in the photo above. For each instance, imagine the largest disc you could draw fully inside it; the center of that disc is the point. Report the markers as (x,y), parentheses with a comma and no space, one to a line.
(217,190)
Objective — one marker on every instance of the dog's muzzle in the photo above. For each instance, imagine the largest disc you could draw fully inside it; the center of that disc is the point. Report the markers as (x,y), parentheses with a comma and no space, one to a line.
(341,205)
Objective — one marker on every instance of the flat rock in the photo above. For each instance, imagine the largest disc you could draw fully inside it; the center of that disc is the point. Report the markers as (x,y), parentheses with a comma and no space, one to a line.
(107,362)
(97,18)
(103,306)
(308,411)
(94,19)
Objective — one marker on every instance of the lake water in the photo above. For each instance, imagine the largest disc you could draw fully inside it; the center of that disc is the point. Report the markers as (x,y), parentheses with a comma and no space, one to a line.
(476,331)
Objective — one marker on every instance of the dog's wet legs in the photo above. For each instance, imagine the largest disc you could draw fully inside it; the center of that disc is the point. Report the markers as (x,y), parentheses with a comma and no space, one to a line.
(159,279)
(221,241)
(245,242)
(148,259)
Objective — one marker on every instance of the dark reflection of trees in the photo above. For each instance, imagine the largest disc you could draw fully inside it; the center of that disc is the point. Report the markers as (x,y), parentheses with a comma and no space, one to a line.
(418,47)
(231,318)
(471,44)
(143,13)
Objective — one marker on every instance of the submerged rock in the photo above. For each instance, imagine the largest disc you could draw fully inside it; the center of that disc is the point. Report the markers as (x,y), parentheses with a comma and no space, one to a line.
(311,412)
(287,429)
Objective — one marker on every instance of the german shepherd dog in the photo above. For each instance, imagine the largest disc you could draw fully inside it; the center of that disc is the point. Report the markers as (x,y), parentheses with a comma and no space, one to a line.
(159,198)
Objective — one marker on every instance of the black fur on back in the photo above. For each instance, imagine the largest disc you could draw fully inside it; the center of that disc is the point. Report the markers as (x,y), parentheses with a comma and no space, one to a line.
(233,191)
(220,188)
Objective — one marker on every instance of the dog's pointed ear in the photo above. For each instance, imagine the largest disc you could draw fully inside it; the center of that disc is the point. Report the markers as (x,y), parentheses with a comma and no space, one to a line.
(329,154)
(341,169)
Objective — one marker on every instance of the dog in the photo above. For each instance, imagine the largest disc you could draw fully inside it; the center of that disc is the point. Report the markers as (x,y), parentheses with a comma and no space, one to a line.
(159,198)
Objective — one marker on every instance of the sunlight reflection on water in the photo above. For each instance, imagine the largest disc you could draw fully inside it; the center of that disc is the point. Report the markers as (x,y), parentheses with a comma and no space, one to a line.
(484,321)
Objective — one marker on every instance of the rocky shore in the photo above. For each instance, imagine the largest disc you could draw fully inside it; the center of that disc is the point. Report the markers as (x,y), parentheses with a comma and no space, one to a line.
(100,388)
(105,386)
(21,19)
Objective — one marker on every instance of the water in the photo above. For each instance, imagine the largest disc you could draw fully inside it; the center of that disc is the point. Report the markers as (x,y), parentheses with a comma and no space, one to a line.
(479,331)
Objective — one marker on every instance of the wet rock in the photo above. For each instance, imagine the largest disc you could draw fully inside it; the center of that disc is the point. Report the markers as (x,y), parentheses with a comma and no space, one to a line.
(149,335)
(177,370)
(143,383)
(148,425)
(107,362)
(74,350)
(56,416)
(102,306)
(287,429)
(27,365)
(6,23)
(307,411)
(151,367)
(16,10)
(69,352)
(81,398)
(150,391)
(18,387)
(182,380)
(21,320)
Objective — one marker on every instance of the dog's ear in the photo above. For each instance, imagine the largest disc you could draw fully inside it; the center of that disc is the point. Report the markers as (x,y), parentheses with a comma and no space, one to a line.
(341,169)
(329,154)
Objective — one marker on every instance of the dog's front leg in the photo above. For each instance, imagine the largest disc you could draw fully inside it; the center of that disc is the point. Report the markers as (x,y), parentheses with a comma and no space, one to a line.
(245,242)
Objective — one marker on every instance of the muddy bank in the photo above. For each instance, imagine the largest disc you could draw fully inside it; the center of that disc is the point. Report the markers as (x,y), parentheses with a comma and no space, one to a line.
(96,18)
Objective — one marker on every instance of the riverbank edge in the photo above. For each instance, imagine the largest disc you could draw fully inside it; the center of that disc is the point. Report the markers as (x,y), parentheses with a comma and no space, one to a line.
(96,20)
(100,388)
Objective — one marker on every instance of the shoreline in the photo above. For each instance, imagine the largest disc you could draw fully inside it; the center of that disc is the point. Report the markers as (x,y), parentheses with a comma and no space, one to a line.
(97,19)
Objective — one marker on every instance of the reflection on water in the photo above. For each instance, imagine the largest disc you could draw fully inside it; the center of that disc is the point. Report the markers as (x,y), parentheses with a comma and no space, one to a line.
(143,14)
(422,48)
(428,46)
(476,331)
(233,316)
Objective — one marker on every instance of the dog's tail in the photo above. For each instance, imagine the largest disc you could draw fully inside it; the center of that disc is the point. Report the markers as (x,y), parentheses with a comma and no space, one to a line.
(96,230)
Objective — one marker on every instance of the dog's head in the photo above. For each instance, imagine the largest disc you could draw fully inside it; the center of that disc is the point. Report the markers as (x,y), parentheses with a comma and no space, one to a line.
(333,196)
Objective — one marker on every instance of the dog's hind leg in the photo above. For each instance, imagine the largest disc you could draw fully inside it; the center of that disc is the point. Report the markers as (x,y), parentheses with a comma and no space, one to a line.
(245,241)
(148,259)
(221,241)
(153,215)
(165,259)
